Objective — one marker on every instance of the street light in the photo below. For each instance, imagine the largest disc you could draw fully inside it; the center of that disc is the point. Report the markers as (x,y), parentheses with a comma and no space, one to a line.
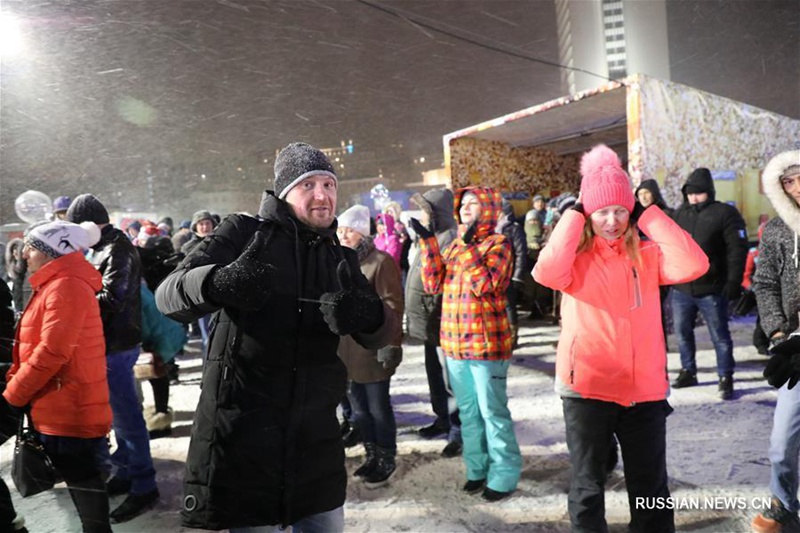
(10,36)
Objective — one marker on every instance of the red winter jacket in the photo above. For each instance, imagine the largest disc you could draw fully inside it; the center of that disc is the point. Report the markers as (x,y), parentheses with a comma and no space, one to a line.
(611,346)
(59,365)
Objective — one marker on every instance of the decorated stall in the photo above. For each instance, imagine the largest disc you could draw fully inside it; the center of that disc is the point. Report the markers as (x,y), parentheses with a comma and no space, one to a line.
(660,129)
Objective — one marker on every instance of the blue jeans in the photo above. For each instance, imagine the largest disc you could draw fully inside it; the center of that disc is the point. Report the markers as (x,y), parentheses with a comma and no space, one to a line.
(373,414)
(327,522)
(132,458)
(204,323)
(784,447)
(714,309)
(490,449)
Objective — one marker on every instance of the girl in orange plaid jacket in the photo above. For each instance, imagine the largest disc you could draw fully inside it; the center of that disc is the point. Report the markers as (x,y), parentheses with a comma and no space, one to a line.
(473,273)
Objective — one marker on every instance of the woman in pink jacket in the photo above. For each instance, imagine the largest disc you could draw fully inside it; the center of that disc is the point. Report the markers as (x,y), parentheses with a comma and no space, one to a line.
(387,239)
(611,365)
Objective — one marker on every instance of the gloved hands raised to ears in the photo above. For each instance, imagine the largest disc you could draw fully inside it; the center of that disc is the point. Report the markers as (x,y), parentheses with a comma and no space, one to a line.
(351,309)
(469,233)
(245,283)
(419,229)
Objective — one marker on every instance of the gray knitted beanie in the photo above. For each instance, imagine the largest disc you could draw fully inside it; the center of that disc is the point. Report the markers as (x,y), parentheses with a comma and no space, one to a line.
(295,163)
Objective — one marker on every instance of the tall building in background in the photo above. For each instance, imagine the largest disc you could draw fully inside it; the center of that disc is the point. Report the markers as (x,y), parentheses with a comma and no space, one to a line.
(609,39)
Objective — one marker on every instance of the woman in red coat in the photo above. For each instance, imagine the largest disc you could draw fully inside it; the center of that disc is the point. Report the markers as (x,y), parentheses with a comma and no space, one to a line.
(59,367)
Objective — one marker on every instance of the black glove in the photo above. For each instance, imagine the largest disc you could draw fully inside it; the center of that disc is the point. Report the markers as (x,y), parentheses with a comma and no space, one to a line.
(419,229)
(732,290)
(390,357)
(779,370)
(578,206)
(469,234)
(784,365)
(518,285)
(351,309)
(638,209)
(245,283)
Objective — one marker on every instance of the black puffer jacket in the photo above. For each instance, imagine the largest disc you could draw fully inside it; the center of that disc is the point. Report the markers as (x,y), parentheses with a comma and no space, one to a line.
(719,229)
(266,447)
(777,279)
(516,236)
(120,301)
(424,311)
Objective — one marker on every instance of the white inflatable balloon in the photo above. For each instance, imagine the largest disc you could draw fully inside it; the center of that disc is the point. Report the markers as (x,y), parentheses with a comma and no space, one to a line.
(33,206)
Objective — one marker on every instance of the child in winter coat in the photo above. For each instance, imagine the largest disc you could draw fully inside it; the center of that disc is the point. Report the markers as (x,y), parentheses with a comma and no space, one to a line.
(611,363)
(473,273)
(370,371)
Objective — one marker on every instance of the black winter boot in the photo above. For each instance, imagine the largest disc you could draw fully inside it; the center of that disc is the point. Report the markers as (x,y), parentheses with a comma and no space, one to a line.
(384,468)
(370,463)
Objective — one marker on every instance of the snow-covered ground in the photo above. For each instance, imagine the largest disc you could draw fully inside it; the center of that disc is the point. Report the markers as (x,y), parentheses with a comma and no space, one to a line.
(716,454)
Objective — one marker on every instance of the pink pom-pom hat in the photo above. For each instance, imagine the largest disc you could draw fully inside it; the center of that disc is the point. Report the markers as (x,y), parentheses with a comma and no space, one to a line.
(604,181)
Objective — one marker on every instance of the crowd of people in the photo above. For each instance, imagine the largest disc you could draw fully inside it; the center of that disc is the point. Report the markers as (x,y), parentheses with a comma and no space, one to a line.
(303,314)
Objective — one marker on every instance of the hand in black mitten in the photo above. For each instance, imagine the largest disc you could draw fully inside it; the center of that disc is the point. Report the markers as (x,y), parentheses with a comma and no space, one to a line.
(469,234)
(351,309)
(732,290)
(245,283)
(390,357)
(784,365)
(795,376)
(778,370)
(638,210)
(419,229)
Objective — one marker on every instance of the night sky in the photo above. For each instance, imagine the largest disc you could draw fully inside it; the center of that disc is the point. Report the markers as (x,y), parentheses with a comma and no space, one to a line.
(107,93)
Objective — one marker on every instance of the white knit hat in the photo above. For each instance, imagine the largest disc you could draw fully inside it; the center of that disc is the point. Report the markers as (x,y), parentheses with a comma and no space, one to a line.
(356,218)
(60,237)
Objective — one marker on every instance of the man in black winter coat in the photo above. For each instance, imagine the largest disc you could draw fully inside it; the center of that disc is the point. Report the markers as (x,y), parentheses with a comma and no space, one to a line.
(720,231)
(115,257)
(508,226)
(266,447)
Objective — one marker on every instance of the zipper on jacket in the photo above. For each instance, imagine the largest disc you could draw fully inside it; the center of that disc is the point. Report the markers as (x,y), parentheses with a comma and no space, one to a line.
(572,363)
(637,293)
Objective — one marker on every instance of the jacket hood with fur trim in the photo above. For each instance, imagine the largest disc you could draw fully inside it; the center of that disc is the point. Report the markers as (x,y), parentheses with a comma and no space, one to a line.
(785,206)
